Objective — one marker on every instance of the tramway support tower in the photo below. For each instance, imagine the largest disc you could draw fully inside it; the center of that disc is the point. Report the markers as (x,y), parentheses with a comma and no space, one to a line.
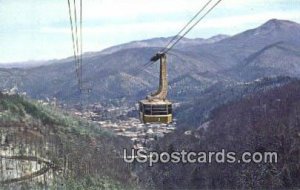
(156,108)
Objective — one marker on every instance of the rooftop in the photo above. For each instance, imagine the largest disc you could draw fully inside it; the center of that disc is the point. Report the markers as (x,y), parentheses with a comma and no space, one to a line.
(155,102)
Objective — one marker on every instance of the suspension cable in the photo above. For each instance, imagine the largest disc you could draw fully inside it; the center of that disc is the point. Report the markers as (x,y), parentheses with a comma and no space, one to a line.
(72,31)
(77,45)
(187,24)
(77,41)
(169,46)
(81,45)
(201,18)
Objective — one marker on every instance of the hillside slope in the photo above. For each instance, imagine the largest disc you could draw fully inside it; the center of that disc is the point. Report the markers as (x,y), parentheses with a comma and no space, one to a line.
(77,154)
(193,113)
(263,122)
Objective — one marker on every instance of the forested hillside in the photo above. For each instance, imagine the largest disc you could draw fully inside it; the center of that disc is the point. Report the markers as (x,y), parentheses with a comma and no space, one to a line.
(43,147)
(261,122)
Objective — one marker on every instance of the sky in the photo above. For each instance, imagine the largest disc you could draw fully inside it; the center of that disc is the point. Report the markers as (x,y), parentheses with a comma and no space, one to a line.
(40,29)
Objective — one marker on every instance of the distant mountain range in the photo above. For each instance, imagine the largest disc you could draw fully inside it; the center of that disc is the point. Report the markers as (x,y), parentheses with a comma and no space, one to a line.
(270,50)
(161,42)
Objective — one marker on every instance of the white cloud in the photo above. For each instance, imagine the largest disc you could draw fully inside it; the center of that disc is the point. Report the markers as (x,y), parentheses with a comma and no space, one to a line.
(110,22)
(227,22)
(224,22)
(129,27)
(136,8)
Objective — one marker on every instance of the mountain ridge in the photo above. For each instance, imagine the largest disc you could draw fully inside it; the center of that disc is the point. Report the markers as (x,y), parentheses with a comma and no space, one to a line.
(111,74)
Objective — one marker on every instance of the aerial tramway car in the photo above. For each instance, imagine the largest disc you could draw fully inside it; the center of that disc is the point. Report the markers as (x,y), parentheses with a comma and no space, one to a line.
(156,108)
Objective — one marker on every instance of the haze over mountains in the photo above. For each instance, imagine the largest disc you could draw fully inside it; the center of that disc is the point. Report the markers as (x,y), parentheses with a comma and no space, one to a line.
(161,42)
(270,50)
